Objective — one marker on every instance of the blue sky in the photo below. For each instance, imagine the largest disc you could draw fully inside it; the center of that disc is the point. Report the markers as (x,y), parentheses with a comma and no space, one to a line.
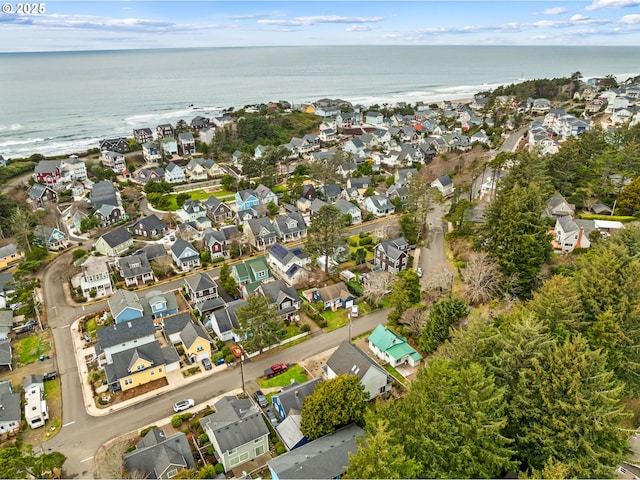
(96,25)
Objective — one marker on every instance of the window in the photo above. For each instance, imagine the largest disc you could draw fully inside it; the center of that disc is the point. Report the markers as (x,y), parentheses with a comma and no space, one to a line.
(199,348)
(128,381)
(259,450)
(172,473)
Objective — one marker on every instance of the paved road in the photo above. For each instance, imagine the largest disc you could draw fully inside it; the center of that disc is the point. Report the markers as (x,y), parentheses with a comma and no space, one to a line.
(433,259)
(82,435)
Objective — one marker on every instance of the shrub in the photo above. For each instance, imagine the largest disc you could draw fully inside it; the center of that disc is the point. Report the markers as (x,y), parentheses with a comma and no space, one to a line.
(305,328)
(363,234)
(144,431)
(219,468)
(186,416)
(352,243)
(176,421)
(203,438)
(280,450)
(229,358)
(367,240)
(355,288)
(79,253)
(212,452)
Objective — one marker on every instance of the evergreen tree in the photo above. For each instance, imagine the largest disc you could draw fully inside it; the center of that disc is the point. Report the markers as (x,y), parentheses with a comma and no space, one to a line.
(333,404)
(557,304)
(324,234)
(405,293)
(258,323)
(441,316)
(567,407)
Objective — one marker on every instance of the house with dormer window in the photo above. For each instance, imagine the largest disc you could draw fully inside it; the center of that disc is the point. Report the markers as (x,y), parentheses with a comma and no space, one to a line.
(217,211)
(391,348)
(246,199)
(159,456)
(288,264)
(250,274)
(195,171)
(200,288)
(96,277)
(191,211)
(290,227)
(48,172)
(392,256)
(265,195)
(282,297)
(174,173)
(135,269)
(182,330)
(379,205)
(157,305)
(260,232)
(50,238)
(184,255)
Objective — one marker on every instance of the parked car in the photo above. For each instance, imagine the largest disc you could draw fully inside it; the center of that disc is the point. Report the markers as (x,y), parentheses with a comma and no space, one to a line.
(49,376)
(236,350)
(206,363)
(272,417)
(279,367)
(183,405)
(261,399)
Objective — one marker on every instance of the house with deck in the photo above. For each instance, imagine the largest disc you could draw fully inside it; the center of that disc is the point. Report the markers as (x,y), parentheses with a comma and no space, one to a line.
(237,431)
(260,232)
(95,277)
(246,199)
(40,195)
(159,456)
(113,160)
(125,306)
(392,255)
(282,297)
(184,255)
(10,254)
(135,269)
(50,238)
(186,144)
(48,172)
(332,296)
(114,243)
(218,211)
(288,264)
(379,205)
(174,173)
(250,274)
(290,227)
(444,185)
(200,288)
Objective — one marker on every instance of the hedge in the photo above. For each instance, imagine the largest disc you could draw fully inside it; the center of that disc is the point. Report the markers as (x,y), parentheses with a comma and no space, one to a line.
(613,218)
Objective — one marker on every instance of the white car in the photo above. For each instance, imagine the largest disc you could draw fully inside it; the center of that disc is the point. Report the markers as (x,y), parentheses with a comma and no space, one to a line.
(183,405)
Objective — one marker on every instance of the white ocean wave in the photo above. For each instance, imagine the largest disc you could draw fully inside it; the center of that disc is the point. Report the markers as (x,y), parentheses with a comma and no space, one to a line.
(185,114)
(14,127)
(27,141)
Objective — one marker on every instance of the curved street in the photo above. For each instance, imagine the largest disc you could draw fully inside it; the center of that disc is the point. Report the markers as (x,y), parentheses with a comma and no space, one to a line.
(81,435)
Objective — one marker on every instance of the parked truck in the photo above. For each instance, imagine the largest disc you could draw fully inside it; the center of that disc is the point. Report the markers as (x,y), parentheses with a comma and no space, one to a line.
(275,370)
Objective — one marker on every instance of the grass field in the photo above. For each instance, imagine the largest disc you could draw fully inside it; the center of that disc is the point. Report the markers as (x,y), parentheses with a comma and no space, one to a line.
(29,349)
(339,318)
(295,372)
(198,195)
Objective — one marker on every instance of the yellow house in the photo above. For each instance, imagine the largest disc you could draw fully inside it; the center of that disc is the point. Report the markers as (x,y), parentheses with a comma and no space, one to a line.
(139,365)
(193,337)
(9,254)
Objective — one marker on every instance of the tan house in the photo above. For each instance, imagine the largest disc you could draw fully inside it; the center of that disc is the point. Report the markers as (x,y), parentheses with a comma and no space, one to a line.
(181,329)
(10,254)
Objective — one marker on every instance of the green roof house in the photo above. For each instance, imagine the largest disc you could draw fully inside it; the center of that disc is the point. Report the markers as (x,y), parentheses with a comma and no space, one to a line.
(395,350)
(250,274)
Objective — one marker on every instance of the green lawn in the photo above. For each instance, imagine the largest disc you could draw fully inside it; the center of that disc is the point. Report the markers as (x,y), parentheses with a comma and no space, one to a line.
(91,326)
(394,373)
(339,318)
(295,372)
(29,349)
(197,195)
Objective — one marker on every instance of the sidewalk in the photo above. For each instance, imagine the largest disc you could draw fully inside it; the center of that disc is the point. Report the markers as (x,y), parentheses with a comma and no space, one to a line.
(175,379)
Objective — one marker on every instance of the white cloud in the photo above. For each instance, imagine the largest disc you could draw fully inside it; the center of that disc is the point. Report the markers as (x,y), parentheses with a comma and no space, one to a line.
(578,18)
(630,19)
(358,28)
(597,4)
(314,20)
(554,11)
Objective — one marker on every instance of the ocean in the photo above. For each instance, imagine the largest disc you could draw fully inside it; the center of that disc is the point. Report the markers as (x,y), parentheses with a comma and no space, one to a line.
(66,102)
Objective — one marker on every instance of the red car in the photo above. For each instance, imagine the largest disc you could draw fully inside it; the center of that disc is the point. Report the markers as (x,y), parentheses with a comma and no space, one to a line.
(237,351)
(279,367)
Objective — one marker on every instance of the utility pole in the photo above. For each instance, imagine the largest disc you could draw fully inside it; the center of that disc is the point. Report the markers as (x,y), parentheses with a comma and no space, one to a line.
(242,368)
(36,308)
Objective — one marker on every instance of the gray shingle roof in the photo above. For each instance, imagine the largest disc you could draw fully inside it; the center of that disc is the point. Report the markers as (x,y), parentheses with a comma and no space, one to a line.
(125,332)
(277,291)
(292,396)
(134,265)
(117,237)
(235,423)
(200,281)
(11,403)
(226,317)
(350,360)
(152,222)
(325,457)
(155,453)
(122,299)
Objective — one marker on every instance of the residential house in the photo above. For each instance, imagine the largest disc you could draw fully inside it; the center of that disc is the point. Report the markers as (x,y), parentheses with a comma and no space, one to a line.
(75,168)
(115,242)
(159,456)
(113,339)
(151,153)
(142,135)
(480,137)
(557,206)
(217,211)
(260,232)
(164,130)
(188,231)
(444,185)
(10,414)
(184,255)
(199,122)
(246,199)
(360,183)
(237,431)
(348,119)
(289,399)
(265,195)
(125,306)
(392,256)
(6,323)
(403,176)
(149,227)
(106,200)
(118,144)
(50,238)
(36,411)
(570,234)
(200,288)
(350,360)
(95,277)
(379,205)
(195,171)
(6,290)
(287,264)
(174,173)
(40,195)
(325,457)
(332,296)
(181,329)
(290,227)
(250,274)
(48,172)
(223,121)
(169,146)
(355,146)
(281,296)
(135,269)
(191,211)
(402,193)
(6,360)
(146,175)
(218,242)
(348,208)
(224,320)
(393,349)
(10,254)
(330,192)
(213,169)
(186,144)
(157,305)
(113,160)
(327,135)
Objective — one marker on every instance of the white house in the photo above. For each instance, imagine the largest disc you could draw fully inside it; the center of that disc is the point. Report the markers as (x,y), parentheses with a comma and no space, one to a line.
(444,184)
